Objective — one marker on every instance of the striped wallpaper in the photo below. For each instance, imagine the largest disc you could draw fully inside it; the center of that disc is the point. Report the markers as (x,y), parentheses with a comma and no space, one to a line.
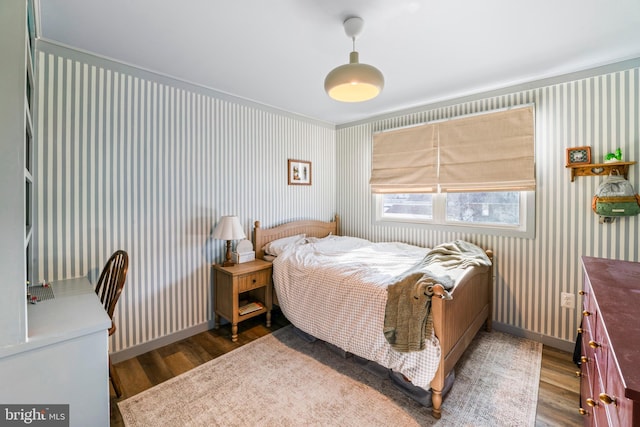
(127,159)
(602,112)
(131,159)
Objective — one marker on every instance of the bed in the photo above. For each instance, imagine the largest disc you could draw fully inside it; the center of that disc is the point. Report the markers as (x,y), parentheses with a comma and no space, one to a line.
(455,319)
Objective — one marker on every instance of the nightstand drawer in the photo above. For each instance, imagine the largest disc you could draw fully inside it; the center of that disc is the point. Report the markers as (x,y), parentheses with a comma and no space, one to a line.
(255,280)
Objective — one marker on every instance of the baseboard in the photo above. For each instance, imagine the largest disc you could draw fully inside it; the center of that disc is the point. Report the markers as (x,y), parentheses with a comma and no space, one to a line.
(137,350)
(563,345)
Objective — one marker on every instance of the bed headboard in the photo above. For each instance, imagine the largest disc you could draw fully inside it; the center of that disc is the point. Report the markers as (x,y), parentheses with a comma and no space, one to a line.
(312,228)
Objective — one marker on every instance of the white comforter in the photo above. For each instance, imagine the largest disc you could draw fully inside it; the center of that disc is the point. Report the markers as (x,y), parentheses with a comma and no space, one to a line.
(335,289)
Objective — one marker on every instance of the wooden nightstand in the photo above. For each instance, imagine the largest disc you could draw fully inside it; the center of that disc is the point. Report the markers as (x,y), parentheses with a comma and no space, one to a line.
(247,282)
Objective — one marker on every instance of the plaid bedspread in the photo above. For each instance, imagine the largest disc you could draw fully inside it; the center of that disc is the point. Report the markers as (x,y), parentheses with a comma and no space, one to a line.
(335,289)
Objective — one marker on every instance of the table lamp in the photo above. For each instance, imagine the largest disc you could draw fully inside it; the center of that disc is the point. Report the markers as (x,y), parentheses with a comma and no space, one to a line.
(228,229)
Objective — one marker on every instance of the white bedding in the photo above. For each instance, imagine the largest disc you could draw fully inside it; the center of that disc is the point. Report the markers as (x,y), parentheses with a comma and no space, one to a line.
(335,289)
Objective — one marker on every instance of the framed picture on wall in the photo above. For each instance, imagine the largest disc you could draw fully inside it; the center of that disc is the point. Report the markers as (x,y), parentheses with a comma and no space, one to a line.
(578,156)
(299,172)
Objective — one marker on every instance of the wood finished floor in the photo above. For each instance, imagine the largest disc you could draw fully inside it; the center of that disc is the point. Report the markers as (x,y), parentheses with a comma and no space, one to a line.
(557,399)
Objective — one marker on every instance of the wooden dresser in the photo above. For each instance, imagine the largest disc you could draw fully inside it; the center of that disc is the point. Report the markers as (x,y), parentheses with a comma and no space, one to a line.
(610,382)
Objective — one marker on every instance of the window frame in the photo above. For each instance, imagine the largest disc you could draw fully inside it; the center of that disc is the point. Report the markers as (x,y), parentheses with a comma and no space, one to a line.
(439,222)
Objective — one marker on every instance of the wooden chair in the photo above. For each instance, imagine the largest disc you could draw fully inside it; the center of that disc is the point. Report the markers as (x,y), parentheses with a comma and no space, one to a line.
(109,288)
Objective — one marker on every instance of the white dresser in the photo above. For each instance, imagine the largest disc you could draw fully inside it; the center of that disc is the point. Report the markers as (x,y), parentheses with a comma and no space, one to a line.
(65,357)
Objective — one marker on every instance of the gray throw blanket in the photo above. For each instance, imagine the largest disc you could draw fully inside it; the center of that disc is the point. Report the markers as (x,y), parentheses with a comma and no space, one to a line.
(407,321)
(457,254)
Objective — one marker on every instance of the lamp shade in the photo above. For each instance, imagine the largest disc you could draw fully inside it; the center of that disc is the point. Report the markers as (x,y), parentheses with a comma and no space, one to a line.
(229,228)
(354,82)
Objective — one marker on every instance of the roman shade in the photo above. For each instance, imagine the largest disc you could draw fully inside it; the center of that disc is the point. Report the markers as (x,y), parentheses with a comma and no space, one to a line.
(405,160)
(485,152)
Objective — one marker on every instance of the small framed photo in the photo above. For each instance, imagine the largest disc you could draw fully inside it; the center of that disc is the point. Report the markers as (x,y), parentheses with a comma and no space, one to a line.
(578,156)
(299,172)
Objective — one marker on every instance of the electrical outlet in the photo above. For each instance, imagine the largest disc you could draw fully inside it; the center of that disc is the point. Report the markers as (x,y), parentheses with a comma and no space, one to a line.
(567,300)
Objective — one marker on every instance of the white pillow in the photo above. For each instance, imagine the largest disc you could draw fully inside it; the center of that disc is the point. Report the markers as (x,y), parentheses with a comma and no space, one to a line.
(278,246)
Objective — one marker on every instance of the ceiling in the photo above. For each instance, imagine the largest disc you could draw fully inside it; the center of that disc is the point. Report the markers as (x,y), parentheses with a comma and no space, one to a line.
(278,52)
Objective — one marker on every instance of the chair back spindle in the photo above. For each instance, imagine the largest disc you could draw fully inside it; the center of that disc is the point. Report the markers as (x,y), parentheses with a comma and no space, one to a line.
(111,282)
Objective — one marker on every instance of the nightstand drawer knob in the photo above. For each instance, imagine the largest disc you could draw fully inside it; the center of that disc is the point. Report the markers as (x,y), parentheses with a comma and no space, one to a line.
(583,411)
(591,402)
(254,280)
(586,313)
(584,359)
(606,399)
(582,293)
(578,373)
(580,330)
(594,344)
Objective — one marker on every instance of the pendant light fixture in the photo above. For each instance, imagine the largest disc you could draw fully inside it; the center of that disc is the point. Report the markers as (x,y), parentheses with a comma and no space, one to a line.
(354,82)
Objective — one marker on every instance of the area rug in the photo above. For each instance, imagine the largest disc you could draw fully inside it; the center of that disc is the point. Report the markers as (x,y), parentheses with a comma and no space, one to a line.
(284,380)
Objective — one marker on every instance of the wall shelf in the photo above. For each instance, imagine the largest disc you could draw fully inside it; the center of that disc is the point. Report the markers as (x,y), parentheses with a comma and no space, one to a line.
(600,169)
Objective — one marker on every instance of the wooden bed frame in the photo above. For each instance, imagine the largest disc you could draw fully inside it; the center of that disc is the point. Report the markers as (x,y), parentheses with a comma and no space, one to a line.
(456,321)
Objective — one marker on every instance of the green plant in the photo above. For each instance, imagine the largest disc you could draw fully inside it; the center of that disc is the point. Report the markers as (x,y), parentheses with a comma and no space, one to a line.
(616,155)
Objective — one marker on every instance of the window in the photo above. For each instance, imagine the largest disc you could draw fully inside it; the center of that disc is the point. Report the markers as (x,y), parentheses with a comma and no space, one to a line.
(509,213)
(407,207)
(472,173)
(499,208)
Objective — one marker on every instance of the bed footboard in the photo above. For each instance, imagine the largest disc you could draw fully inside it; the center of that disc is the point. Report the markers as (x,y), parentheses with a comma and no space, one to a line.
(457,321)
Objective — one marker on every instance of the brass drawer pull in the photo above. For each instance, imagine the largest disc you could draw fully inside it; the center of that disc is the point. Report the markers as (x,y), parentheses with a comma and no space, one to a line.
(584,359)
(594,344)
(586,313)
(608,400)
(578,374)
(580,330)
(583,411)
(592,402)
(581,292)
